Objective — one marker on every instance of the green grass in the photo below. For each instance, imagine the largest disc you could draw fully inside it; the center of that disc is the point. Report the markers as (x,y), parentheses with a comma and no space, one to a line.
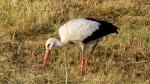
(119,59)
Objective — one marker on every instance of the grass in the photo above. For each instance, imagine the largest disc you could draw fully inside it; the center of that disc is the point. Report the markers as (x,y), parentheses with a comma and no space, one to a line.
(119,59)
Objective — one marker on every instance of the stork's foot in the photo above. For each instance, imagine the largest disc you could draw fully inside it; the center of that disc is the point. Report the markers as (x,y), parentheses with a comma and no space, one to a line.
(84,66)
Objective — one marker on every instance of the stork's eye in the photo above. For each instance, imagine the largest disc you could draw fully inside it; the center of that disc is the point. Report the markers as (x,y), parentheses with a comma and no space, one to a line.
(48,45)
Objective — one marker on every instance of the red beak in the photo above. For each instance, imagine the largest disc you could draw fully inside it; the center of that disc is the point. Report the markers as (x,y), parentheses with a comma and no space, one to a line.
(46,57)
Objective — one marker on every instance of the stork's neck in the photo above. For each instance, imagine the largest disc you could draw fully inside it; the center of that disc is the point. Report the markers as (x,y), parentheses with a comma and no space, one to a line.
(60,43)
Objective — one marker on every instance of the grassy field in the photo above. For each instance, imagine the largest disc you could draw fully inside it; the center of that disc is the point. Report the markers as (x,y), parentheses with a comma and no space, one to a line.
(25,25)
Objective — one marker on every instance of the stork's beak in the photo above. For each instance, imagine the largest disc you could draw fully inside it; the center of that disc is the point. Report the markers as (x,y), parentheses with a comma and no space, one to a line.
(46,56)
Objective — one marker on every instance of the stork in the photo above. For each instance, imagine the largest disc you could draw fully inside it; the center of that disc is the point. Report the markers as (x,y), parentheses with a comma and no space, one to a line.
(82,32)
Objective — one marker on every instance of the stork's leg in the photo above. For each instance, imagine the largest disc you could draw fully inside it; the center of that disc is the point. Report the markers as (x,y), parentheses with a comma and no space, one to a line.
(89,53)
(92,49)
(82,65)
(82,61)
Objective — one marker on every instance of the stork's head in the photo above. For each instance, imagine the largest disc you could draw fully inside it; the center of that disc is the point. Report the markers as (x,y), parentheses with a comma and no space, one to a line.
(50,43)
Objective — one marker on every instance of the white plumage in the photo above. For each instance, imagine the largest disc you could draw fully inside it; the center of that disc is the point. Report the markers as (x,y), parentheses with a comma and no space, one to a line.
(80,31)
(77,30)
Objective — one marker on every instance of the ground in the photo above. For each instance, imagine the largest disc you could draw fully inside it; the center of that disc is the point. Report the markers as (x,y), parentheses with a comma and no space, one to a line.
(122,58)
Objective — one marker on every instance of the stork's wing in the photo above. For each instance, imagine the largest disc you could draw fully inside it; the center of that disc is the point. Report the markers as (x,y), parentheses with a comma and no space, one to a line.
(78,29)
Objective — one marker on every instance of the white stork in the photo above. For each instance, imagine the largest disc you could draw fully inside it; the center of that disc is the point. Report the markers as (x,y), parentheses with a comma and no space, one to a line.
(81,32)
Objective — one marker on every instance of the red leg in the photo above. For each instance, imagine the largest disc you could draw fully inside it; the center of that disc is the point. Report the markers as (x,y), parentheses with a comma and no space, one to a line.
(84,59)
(86,65)
(82,64)
(86,62)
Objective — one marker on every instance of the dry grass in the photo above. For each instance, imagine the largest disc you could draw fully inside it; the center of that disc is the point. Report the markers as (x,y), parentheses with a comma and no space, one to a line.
(119,59)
